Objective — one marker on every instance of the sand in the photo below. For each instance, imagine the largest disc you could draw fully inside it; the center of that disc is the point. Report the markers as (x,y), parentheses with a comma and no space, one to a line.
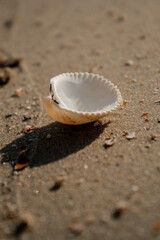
(74,187)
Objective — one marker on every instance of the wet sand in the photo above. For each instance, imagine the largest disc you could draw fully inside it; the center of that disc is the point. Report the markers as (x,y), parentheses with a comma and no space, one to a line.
(74,187)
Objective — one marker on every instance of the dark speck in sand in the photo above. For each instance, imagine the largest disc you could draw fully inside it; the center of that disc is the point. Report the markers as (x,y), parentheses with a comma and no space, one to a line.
(8,23)
(10,62)
(57,185)
(116,214)
(20,228)
(8,115)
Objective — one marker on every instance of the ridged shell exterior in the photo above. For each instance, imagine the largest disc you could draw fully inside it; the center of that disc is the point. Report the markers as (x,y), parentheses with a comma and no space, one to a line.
(61,113)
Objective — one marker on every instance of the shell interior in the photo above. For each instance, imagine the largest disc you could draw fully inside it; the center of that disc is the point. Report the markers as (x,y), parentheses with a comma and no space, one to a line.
(84,92)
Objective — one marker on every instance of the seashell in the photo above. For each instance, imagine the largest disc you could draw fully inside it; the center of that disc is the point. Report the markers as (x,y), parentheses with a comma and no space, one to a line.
(78,98)
(109,142)
(131,136)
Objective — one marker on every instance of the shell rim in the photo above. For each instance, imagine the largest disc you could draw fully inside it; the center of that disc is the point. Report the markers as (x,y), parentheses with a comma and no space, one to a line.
(100,113)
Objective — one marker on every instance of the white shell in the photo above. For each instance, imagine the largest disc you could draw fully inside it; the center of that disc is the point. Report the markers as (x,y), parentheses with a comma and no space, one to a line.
(78,98)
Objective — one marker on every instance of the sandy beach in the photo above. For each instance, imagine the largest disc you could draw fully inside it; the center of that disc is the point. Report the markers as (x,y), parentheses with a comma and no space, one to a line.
(71,186)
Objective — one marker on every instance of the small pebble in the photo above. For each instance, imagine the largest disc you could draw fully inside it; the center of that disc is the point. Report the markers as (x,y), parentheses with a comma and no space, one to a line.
(135,188)
(134,80)
(76,227)
(49,136)
(147,120)
(14,146)
(4,77)
(90,219)
(81,180)
(122,205)
(158,120)
(85,166)
(129,63)
(144,114)
(92,69)
(36,191)
(18,92)
(28,107)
